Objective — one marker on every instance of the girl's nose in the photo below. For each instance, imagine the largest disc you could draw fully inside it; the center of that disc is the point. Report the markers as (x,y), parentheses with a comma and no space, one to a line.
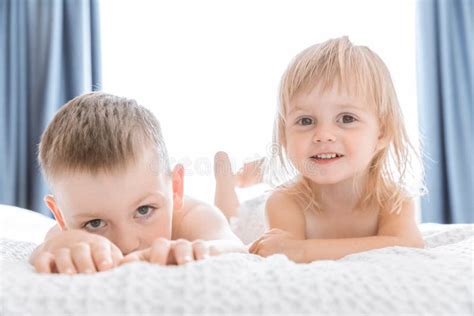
(323,134)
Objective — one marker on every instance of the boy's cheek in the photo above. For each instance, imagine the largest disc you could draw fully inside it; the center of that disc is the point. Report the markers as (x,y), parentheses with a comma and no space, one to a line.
(161,228)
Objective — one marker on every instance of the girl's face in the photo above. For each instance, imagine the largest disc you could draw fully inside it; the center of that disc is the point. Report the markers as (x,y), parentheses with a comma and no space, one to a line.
(331,136)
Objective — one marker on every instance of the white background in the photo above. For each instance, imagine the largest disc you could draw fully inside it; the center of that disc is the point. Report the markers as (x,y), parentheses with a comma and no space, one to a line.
(210,70)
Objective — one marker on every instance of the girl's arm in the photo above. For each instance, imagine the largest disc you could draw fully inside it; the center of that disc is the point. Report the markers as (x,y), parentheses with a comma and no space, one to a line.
(284,213)
(287,225)
(394,230)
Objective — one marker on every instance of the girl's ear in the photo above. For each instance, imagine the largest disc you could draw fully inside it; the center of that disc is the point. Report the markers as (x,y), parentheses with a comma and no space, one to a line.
(383,141)
(178,186)
(53,207)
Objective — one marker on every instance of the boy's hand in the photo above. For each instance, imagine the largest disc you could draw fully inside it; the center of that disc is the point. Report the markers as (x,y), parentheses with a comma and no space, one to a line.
(76,251)
(278,241)
(164,251)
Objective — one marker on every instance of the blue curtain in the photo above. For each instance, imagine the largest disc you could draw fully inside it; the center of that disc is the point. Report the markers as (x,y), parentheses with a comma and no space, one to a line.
(49,54)
(445,93)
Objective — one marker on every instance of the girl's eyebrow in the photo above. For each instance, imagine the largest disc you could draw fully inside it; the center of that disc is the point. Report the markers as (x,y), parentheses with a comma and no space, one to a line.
(342,106)
(295,108)
(349,106)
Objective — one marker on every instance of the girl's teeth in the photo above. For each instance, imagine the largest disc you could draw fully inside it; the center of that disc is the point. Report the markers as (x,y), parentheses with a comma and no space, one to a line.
(326,156)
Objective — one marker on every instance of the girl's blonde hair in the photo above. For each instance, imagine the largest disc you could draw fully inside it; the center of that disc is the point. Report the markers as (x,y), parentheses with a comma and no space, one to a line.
(358,70)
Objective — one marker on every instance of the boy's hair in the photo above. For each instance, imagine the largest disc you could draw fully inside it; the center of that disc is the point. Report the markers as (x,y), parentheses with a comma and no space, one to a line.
(99,132)
(359,71)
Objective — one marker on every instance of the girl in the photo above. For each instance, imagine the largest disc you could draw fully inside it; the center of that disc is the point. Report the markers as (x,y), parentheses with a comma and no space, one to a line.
(344,160)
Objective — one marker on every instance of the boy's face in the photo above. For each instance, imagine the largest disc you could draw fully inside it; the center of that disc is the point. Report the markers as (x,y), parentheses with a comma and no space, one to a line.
(131,208)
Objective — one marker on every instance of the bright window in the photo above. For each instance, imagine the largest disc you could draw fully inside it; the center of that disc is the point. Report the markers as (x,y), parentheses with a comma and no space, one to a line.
(210,70)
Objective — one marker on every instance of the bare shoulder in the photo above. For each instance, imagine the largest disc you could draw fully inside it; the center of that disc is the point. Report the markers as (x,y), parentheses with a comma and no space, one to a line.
(280,201)
(200,220)
(401,224)
(283,212)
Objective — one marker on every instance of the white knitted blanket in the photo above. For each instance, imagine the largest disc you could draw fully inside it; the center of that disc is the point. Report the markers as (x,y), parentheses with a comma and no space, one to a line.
(437,280)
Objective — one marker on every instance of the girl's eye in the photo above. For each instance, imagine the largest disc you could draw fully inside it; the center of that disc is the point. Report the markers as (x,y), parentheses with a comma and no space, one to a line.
(94,224)
(304,121)
(144,210)
(346,118)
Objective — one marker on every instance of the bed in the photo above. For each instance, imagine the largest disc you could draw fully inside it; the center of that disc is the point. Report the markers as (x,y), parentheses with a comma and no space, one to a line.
(437,280)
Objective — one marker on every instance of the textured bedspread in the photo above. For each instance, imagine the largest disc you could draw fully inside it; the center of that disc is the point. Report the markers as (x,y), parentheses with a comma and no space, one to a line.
(437,280)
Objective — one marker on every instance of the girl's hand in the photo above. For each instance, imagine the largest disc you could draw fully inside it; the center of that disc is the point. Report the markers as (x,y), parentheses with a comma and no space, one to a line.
(278,241)
(76,251)
(164,251)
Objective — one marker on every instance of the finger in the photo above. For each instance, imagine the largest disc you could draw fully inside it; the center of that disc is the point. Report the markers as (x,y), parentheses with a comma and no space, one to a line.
(255,245)
(160,250)
(171,260)
(262,249)
(252,246)
(201,249)
(64,262)
(131,257)
(255,248)
(82,258)
(141,255)
(183,251)
(116,254)
(44,262)
(273,231)
(102,255)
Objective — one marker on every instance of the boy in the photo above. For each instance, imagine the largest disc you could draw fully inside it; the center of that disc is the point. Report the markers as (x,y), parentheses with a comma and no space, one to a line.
(115,198)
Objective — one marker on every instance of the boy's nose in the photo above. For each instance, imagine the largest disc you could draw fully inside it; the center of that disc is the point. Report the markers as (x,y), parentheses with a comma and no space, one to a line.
(127,244)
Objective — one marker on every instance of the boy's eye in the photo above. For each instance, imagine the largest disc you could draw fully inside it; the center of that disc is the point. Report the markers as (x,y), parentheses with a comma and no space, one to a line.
(94,224)
(304,121)
(144,210)
(346,118)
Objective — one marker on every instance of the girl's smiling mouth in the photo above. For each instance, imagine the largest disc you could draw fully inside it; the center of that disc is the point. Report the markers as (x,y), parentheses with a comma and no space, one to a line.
(324,158)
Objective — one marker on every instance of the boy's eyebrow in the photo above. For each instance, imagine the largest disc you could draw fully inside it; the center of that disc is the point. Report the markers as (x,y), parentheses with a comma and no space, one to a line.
(158,195)
(87,215)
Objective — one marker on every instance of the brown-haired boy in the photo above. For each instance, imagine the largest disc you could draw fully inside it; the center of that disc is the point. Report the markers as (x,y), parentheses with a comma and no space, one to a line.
(115,198)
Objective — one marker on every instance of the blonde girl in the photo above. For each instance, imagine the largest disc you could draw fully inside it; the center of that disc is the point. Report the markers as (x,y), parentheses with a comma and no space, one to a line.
(344,164)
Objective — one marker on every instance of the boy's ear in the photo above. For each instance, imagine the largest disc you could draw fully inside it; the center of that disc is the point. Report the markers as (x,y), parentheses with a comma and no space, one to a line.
(53,207)
(178,186)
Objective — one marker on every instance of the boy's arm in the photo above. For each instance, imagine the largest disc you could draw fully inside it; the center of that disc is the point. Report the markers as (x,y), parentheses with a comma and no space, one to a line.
(206,222)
